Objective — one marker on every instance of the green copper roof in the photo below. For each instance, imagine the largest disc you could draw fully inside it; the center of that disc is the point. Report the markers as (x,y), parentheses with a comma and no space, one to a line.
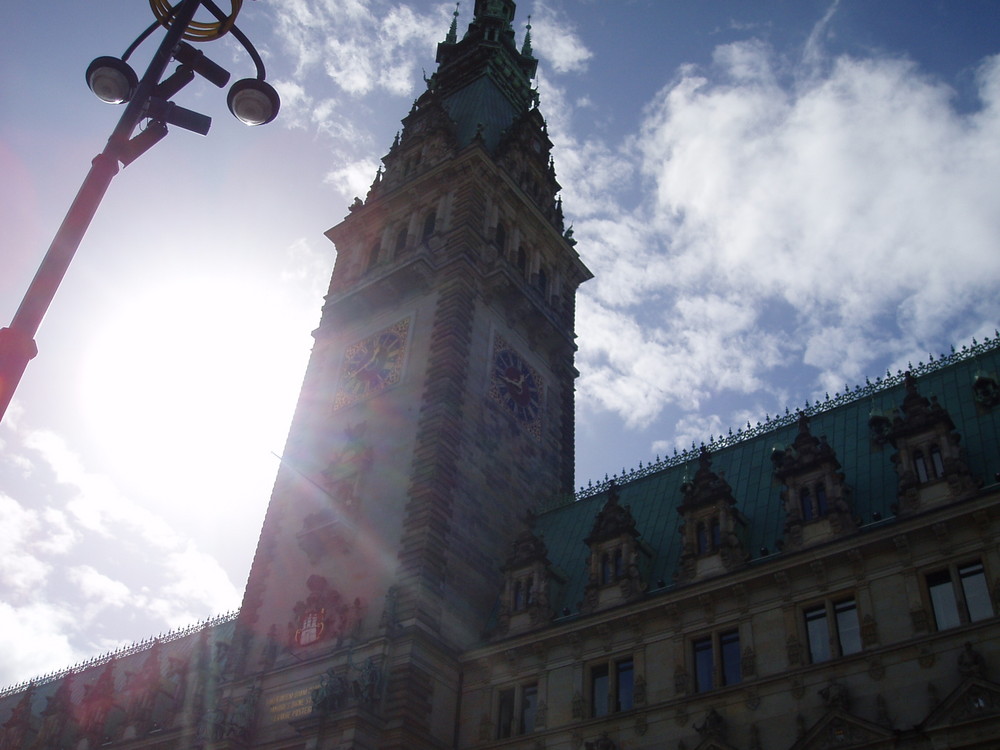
(483,81)
(744,460)
(480,108)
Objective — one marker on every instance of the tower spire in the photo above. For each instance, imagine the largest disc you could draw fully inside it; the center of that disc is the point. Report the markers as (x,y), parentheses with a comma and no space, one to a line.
(452,37)
(526,49)
(483,82)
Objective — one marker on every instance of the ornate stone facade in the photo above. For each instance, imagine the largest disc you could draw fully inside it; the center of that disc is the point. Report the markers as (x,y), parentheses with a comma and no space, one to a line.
(426,579)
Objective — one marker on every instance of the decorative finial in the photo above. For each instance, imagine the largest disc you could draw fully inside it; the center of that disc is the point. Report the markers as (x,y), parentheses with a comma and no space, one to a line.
(526,49)
(452,37)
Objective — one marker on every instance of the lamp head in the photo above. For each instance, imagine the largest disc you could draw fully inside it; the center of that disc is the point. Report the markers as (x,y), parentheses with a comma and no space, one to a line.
(253,101)
(112,80)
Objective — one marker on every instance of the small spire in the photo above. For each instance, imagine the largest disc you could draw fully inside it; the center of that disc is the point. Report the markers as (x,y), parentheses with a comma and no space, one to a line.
(526,49)
(452,37)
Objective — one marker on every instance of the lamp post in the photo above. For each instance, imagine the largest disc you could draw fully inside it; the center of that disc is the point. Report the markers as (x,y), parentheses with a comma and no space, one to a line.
(251,100)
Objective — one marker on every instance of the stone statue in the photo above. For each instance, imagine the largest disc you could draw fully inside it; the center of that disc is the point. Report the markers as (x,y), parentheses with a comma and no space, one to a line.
(970,662)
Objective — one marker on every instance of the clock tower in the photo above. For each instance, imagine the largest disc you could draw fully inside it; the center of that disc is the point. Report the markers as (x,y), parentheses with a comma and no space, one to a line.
(436,410)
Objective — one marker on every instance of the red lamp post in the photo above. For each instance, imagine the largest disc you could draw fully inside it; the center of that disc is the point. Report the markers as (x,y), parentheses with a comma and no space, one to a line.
(251,100)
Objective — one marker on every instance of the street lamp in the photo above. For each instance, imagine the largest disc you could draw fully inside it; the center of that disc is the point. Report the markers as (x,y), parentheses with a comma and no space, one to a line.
(252,100)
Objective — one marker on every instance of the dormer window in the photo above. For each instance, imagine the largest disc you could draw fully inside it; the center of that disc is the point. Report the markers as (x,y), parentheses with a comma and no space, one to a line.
(937,462)
(713,528)
(920,465)
(928,467)
(401,240)
(806,504)
(928,458)
(613,566)
(814,494)
(703,546)
(812,502)
(525,600)
(822,509)
(524,593)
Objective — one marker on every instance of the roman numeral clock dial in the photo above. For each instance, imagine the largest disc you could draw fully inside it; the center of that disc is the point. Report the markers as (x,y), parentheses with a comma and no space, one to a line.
(517,387)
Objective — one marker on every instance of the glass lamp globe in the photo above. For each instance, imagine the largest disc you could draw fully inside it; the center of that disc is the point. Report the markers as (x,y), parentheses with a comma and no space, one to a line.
(253,102)
(112,80)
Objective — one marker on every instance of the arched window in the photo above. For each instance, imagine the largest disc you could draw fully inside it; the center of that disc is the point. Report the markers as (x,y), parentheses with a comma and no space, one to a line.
(522,260)
(806,504)
(429,222)
(702,534)
(920,466)
(937,463)
(500,238)
(518,596)
(401,240)
(822,508)
(716,534)
(543,280)
(372,258)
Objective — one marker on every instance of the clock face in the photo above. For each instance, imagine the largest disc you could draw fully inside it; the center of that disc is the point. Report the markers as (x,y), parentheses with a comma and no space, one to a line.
(372,364)
(516,386)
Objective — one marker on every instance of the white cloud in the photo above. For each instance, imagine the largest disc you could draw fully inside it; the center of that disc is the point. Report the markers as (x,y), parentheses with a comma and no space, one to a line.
(833,221)
(361,46)
(354,178)
(695,429)
(590,170)
(86,568)
(99,589)
(198,579)
(21,569)
(46,628)
(554,39)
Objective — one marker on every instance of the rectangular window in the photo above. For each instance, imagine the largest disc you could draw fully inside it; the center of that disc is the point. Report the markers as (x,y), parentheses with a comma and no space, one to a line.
(516,710)
(623,694)
(848,626)
(529,707)
(818,634)
(959,595)
(612,687)
(729,651)
(599,690)
(703,670)
(716,660)
(505,714)
(832,630)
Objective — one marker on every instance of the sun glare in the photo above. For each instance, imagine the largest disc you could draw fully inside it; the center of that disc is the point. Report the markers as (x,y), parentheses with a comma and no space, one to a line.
(190,386)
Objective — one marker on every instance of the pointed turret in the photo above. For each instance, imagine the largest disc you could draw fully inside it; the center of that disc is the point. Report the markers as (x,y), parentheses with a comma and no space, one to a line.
(483,82)
(452,37)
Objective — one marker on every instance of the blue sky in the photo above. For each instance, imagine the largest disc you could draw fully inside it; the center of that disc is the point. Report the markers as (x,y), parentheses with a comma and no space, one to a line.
(777,198)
